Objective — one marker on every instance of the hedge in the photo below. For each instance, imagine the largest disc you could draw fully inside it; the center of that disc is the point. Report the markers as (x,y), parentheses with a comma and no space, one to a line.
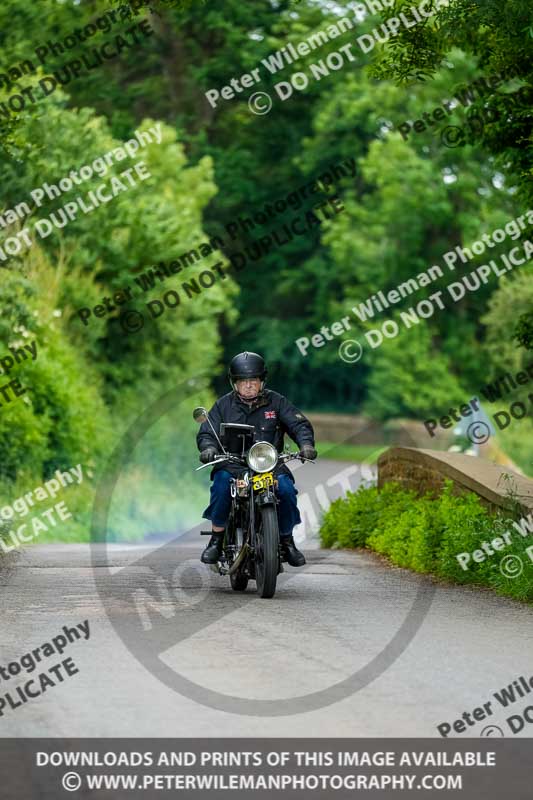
(427,533)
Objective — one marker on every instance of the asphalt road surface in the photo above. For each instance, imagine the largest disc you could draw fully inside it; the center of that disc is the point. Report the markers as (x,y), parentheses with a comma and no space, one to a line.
(349,646)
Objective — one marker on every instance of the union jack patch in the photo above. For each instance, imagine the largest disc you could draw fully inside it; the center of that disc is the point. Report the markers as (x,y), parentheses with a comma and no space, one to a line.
(270,415)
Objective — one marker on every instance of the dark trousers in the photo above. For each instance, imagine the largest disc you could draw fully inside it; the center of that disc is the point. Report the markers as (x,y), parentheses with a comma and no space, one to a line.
(220,505)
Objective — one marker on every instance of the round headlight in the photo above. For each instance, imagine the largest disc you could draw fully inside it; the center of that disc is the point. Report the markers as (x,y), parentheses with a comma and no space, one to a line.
(262,457)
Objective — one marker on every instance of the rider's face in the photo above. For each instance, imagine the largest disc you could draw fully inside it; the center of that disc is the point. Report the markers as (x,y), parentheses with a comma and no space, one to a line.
(249,387)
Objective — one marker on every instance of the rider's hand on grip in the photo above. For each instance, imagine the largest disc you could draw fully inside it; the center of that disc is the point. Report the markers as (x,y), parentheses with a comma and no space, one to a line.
(208,455)
(308,451)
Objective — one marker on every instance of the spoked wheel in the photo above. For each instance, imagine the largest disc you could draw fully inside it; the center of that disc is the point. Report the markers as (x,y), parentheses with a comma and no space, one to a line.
(266,553)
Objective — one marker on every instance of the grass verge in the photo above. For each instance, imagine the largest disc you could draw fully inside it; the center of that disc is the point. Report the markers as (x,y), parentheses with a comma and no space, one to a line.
(358,453)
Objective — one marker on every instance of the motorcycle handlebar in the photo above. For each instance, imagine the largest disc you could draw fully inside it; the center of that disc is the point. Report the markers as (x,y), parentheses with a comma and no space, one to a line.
(282,457)
(219,460)
(290,456)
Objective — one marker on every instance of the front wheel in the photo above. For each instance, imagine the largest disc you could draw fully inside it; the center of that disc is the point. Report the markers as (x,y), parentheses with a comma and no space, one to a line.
(267,552)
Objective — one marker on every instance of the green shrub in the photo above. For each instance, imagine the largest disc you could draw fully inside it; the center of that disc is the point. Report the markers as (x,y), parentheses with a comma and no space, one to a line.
(61,419)
(349,522)
(467,523)
(407,534)
(427,533)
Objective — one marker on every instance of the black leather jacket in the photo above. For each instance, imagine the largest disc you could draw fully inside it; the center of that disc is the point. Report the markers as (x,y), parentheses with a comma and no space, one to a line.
(272,415)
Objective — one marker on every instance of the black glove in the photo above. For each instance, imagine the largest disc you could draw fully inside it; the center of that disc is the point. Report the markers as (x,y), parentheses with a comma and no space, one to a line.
(308,451)
(208,455)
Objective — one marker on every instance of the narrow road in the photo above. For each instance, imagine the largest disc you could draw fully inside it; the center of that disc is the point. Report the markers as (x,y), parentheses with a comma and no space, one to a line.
(349,646)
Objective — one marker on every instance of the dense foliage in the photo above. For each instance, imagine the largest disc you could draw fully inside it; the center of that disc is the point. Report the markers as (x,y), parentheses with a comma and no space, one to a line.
(427,533)
(410,201)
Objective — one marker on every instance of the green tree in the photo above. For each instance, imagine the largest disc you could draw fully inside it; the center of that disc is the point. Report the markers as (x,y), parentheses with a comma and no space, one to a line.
(499,37)
(409,376)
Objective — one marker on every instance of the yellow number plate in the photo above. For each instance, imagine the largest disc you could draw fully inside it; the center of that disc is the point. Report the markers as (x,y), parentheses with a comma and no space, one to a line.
(263,481)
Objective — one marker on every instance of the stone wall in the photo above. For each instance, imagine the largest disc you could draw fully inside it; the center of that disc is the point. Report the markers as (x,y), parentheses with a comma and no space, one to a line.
(357,429)
(426,470)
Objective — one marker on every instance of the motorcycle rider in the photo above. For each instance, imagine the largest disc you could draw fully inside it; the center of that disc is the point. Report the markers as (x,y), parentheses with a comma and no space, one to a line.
(273,416)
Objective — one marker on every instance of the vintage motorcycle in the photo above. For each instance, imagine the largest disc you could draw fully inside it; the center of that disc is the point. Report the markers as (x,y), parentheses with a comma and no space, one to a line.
(251,546)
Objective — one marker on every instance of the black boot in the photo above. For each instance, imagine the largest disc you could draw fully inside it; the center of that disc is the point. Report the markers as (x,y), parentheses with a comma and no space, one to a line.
(290,552)
(213,551)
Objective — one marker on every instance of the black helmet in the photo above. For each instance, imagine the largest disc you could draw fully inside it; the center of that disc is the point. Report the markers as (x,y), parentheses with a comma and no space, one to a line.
(247,365)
